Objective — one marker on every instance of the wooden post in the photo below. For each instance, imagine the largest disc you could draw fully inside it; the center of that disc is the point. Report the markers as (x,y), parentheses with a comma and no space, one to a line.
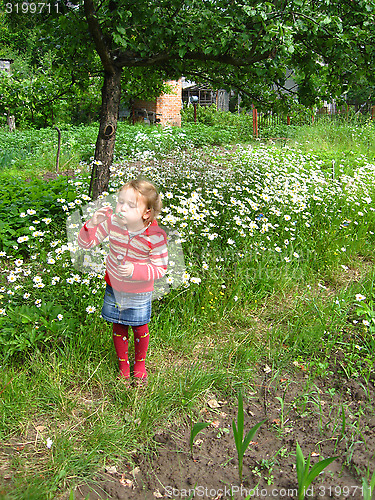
(133,113)
(11,121)
(58,148)
(288,120)
(255,122)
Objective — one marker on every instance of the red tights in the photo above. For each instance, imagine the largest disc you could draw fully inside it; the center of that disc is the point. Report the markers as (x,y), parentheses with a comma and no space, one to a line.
(141,340)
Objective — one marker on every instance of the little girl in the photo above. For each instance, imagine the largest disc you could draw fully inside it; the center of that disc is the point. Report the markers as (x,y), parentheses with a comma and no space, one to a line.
(137,256)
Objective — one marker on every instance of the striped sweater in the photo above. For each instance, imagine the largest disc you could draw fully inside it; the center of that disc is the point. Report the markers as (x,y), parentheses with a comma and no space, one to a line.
(147,251)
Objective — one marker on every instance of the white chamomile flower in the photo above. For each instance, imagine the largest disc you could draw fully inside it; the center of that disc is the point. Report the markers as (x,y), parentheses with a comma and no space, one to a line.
(195,280)
(360,297)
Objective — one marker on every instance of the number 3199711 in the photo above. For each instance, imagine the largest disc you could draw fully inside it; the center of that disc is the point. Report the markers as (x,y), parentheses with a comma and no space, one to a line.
(31,8)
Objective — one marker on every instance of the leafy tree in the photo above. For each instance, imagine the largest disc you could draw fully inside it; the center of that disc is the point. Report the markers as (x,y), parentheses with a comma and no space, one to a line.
(243,44)
(361,96)
(33,97)
(247,43)
(39,87)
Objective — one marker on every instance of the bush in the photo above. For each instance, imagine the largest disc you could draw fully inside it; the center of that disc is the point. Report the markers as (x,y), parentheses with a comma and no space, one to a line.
(26,327)
(36,195)
(238,127)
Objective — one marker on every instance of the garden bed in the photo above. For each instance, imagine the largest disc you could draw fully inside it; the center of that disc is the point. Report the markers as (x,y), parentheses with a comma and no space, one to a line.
(311,414)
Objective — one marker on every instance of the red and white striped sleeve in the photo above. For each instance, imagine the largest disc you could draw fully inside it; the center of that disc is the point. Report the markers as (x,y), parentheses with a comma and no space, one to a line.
(89,237)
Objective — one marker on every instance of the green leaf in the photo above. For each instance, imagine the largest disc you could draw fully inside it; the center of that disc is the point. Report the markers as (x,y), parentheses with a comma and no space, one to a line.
(317,469)
(306,471)
(182,51)
(368,489)
(237,438)
(240,416)
(250,435)
(25,318)
(343,426)
(300,465)
(198,427)
(372,482)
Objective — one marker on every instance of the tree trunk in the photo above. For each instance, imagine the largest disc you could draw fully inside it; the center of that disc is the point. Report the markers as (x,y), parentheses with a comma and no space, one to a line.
(105,143)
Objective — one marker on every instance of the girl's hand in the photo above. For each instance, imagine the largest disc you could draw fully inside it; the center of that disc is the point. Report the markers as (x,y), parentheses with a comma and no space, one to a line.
(99,216)
(126,270)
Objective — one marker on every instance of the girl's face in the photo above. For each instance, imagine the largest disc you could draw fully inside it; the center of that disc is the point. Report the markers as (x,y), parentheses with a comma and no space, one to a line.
(132,209)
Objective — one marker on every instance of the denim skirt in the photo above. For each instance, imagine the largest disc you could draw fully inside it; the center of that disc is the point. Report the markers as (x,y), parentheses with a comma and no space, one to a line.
(132,309)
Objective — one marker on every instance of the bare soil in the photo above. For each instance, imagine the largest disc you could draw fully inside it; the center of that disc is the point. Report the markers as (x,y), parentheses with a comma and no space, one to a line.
(51,176)
(311,415)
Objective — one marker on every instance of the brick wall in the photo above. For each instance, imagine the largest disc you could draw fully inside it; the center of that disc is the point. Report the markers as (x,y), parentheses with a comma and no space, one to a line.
(167,107)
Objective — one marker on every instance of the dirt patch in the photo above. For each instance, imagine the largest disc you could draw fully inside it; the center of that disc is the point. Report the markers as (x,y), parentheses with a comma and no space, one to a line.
(50,176)
(330,417)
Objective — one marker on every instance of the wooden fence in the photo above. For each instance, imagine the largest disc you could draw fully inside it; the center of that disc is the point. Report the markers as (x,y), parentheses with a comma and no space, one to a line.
(263,121)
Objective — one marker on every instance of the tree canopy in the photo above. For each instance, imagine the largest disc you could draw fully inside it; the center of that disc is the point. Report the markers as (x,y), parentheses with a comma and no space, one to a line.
(249,45)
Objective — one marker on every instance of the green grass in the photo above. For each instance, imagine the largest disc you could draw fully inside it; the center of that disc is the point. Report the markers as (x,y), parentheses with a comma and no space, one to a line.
(279,295)
(343,142)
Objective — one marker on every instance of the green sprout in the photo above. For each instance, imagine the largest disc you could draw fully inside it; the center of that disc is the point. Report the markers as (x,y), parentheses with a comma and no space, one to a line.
(306,477)
(198,427)
(238,431)
(368,489)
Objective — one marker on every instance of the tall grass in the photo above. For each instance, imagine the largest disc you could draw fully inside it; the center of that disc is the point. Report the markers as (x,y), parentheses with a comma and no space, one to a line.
(341,142)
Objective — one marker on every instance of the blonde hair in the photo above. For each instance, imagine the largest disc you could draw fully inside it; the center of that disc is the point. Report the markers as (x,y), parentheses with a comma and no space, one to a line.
(150,195)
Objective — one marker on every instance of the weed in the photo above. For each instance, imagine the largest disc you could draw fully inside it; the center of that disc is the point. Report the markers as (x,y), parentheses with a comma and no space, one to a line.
(283,421)
(222,431)
(256,471)
(269,479)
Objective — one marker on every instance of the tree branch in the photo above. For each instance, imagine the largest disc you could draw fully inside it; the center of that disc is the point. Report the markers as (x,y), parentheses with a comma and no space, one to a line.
(59,95)
(98,37)
(172,15)
(244,89)
(287,91)
(132,59)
